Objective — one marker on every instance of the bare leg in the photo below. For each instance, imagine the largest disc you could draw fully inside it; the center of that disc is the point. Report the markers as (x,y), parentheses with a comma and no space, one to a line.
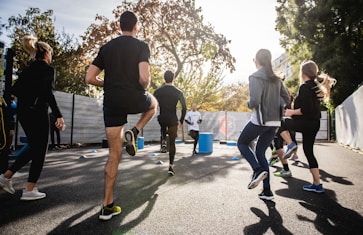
(316,175)
(148,115)
(280,153)
(29,186)
(8,174)
(114,137)
(286,136)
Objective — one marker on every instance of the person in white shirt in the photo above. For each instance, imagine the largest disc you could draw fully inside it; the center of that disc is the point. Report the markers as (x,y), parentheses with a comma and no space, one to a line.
(193,119)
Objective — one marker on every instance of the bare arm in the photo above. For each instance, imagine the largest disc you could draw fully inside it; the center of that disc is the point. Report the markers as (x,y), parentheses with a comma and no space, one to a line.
(145,77)
(292,112)
(92,76)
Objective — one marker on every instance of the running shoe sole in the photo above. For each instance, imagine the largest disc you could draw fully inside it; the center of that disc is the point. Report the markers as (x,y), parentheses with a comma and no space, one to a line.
(32,198)
(283,175)
(313,190)
(108,217)
(264,197)
(7,189)
(254,183)
(130,147)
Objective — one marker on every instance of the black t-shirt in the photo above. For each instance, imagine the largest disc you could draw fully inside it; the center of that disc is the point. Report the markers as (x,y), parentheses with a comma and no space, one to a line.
(168,97)
(35,87)
(120,58)
(308,101)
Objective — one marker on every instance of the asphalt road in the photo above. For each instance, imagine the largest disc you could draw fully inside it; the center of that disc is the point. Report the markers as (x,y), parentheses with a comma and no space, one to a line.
(208,195)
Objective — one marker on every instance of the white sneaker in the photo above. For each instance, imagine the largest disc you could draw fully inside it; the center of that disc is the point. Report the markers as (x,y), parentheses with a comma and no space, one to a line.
(32,195)
(6,184)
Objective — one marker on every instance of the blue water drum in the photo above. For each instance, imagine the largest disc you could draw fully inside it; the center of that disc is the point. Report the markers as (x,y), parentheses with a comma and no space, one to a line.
(140,142)
(205,142)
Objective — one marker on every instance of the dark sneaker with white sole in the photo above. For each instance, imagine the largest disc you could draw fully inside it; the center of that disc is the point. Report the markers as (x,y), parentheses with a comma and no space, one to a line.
(266,194)
(107,213)
(171,171)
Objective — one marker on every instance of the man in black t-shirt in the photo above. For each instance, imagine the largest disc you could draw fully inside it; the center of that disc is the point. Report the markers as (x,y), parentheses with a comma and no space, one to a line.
(168,97)
(125,62)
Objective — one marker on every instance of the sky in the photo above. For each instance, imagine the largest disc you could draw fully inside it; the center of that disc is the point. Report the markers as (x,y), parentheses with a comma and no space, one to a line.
(249,24)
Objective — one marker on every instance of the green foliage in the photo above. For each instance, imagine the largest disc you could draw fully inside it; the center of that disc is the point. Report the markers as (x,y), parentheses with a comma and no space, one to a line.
(328,32)
(234,98)
(178,37)
(179,41)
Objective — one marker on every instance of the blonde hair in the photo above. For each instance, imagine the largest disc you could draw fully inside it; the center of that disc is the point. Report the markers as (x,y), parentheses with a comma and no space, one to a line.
(35,48)
(323,81)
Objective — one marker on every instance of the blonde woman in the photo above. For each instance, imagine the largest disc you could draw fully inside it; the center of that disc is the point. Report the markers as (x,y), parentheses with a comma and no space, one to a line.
(305,117)
(34,90)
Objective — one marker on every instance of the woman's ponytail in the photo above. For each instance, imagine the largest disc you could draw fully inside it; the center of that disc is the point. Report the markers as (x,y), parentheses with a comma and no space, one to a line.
(30,45)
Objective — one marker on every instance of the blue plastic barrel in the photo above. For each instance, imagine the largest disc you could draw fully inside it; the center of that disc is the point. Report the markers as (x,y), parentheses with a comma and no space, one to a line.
(205,142)
(140,142)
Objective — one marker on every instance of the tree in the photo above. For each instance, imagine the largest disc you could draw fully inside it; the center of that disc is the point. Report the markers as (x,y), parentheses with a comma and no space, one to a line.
(67,58)
(179,40)
(234,98)
(328,32)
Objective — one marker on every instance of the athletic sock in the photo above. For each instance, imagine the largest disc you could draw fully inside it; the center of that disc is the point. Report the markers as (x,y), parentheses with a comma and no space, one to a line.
(110,205)
(135,130)
(286,167)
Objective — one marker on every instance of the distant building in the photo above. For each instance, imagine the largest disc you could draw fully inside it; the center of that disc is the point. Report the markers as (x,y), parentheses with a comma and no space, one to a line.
(282,66)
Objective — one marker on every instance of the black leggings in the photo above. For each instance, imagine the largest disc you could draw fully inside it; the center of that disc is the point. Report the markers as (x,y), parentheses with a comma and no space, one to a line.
(195,135)
(308,129)
(35,123)
(172,131)
(279,141)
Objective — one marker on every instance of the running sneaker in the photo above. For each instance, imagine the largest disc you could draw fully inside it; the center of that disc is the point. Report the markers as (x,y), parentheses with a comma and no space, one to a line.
(171,171)
(290,148)
(257,177)
(273,160)
(163,148)
(107,213)
(32,195)
(266,194)
(6,184)
(195,152)
(131,143)
(314,188)
(283,173)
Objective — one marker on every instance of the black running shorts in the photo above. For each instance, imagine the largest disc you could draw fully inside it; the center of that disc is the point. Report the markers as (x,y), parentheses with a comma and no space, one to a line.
(118,116)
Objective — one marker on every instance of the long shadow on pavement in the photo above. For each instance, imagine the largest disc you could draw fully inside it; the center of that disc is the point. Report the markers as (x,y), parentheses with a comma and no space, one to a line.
(273,220)
(73,185)
(330,216)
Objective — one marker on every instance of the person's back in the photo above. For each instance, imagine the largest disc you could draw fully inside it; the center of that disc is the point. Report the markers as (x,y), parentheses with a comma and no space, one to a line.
(120,58)
(308,101)
(168,98)
(267,97)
